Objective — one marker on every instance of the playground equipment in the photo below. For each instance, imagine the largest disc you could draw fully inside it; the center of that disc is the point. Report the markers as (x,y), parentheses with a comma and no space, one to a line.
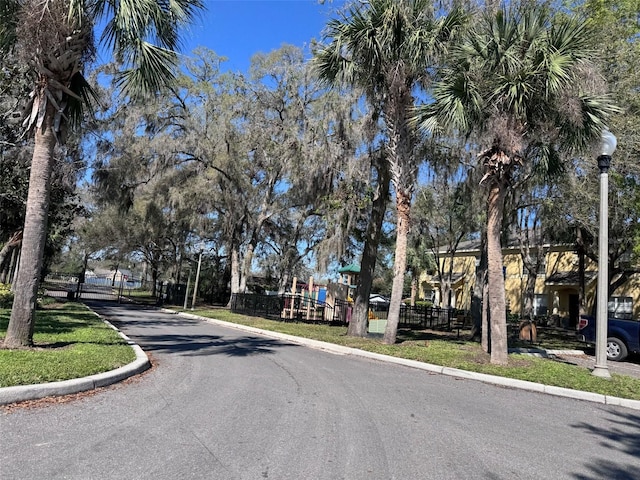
(314,302)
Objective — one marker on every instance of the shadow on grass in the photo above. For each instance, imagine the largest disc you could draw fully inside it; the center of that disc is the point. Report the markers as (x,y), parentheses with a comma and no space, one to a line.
(410,335)
(53,321)
(549,339)
(622,435)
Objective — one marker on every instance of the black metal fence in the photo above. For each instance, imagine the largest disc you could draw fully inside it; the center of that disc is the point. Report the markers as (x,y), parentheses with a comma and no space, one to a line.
(95,287)
(417,316)
(289,307)
(297,308)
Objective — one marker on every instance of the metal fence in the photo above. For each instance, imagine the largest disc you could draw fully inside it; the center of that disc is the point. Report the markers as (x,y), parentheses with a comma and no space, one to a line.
(98,287)
(417,316)
(289,307)
(298,308)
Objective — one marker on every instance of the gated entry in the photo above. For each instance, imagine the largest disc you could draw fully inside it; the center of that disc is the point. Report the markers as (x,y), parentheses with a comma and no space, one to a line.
(93,288)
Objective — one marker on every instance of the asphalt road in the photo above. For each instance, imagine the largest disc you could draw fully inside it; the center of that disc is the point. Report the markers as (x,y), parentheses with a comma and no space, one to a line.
(223,404)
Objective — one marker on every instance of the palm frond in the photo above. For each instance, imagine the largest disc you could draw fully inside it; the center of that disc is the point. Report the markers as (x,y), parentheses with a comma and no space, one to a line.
(85,100)
(546,160)
(154,69)
(521,75)
(144,35)
(594,112)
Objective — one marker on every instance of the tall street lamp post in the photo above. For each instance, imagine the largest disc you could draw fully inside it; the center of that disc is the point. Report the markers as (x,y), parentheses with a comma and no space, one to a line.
(608,146)
(195,285)
(186,293)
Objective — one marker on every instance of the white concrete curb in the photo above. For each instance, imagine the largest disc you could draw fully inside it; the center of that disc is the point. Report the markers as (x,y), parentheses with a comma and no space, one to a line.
(481,377)
(22,393)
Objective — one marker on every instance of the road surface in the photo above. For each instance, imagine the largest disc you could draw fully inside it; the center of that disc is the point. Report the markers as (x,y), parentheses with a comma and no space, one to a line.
(223,404)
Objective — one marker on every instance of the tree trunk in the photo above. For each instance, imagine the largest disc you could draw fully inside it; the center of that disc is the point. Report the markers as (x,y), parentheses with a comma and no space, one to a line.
(529,295)
(246,268)
(582,303)
(154,281)
(283,283)
(403,205)
(477,298)
(360,316)
(445,291)
(414,289)
(6,255)
(497,302)
(22,322)
(14,241)
(13,270)
(235,274)
(485,339)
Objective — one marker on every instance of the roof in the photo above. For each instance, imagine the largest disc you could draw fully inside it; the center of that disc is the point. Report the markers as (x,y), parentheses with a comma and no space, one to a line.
(513,241)
(569,278)
(377,298)
(455,278)
(353,268)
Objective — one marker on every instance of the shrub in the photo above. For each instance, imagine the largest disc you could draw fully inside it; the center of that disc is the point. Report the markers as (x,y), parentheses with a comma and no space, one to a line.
(6,296)
(424,303)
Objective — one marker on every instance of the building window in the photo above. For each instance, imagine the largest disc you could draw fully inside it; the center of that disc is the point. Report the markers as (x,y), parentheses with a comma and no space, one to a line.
(540,305)
(621,307)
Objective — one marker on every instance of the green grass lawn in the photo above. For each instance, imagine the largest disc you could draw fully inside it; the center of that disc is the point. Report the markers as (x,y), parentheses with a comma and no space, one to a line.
(446,349)
(69,342)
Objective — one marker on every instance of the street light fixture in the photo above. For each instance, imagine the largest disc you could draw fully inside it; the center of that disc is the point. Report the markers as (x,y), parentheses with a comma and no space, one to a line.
(607,148)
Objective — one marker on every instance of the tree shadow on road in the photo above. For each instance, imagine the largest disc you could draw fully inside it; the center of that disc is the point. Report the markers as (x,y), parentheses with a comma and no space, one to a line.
(621,435)
(195,345)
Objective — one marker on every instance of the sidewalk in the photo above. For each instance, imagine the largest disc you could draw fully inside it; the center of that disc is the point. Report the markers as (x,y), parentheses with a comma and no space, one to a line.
(588,361)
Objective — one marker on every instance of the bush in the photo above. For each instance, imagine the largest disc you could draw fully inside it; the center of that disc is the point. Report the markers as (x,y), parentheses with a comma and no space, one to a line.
(6,296)
(424,303)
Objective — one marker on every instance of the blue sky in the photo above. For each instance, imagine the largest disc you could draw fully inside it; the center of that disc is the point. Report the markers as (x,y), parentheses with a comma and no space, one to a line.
(237,29)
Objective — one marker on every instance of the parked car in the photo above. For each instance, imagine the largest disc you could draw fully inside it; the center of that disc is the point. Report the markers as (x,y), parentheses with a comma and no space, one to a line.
(623,336)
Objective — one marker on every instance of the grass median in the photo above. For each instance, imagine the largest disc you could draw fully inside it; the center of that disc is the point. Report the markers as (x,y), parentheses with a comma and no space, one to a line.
(70,341)
(446,349)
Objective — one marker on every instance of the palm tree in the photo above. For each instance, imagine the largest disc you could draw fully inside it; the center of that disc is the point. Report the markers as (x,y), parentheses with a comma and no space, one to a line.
(55,38)
(385,47)
(524,83)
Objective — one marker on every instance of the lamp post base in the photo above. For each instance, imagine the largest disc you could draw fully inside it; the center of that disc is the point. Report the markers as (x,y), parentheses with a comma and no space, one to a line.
(601,371)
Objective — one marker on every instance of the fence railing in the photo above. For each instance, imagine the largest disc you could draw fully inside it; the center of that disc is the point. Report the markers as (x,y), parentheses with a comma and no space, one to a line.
(298,308)
(288,307)
(94,287)
(417,316)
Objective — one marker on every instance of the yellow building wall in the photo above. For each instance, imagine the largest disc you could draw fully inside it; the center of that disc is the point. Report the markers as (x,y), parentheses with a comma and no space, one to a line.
(464,266)
(558,260)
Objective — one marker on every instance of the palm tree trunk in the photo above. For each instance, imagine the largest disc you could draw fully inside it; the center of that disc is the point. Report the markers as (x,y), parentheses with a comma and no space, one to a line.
(403,205)
(22,322)
(497,302)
